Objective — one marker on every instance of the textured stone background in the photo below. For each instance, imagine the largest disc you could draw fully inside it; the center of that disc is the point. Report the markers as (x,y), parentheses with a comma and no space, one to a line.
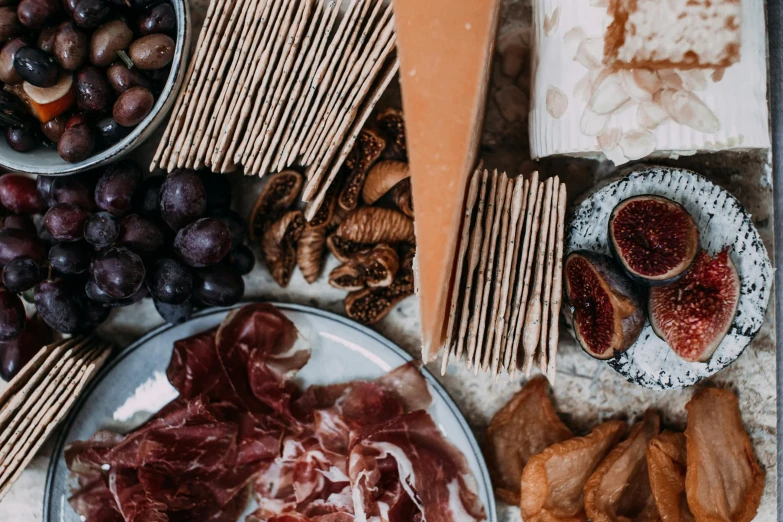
(587,391)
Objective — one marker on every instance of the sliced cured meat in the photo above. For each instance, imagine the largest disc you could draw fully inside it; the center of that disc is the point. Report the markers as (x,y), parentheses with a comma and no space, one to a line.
(524,427)
(666,463)
(723,479)
(619,489)
(411,451)
(95,502)
(193,362)
(408,385)
(552,485)
(132,500)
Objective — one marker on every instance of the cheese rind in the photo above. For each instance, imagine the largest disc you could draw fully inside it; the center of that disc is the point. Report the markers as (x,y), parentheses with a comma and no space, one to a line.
(445,51)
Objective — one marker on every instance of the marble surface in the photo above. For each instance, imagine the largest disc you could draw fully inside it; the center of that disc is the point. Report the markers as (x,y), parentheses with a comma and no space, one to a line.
(587,391)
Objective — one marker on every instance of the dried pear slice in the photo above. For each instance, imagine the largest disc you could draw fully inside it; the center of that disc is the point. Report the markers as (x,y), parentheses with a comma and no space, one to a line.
(524,427)
(619,490)
(723,480)
(552,485)
(666,463)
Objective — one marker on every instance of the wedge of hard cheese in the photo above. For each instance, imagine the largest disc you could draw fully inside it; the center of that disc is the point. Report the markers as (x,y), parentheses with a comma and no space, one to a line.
(445,51)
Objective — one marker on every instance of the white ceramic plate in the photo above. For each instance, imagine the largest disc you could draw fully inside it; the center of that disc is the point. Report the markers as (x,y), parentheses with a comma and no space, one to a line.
(133,386)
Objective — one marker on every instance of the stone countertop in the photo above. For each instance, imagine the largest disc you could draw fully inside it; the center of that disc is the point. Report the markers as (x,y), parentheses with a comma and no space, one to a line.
(587,390)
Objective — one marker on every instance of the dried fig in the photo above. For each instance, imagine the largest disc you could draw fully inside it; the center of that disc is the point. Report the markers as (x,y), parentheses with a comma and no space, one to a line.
(376,225)
(365,152)
(279,245)
(694,314)
(382,177)
(402,196)
(392,125)
(344,250)
(310,252)
(325,213)
(372,304)
(374,267)
(279,193)
(654,239)
(605,309)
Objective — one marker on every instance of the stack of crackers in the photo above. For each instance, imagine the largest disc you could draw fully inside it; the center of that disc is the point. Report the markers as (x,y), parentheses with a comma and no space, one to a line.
(40,396)
(276,83)
(506,294)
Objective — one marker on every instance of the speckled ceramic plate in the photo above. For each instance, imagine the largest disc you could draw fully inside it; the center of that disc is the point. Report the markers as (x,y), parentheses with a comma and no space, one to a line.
(133,386)
(723,223)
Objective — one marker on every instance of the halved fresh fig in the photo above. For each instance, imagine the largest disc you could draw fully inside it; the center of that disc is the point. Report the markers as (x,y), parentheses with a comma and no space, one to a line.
(654,239)
(694,314)
(605,308)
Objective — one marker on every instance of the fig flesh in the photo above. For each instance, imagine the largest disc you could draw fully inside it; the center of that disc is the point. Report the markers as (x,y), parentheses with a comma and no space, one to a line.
(605,309)
(694,314)
(654,239)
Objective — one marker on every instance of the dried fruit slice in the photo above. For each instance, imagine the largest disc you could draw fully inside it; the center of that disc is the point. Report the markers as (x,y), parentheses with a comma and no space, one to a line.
(619,490)
(666,463)
(605,309)
(279,193)
(370,305)
(552,485)
(654,239)
(724,480)
(524,427)
(392,125)
(279,245)
(694,314)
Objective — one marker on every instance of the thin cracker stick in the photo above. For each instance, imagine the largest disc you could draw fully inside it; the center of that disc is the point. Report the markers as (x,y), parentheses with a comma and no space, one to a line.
(550,259)
(557,287)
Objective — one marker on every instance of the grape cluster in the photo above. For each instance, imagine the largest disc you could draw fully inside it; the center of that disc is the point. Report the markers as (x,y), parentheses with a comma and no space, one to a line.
(112,238)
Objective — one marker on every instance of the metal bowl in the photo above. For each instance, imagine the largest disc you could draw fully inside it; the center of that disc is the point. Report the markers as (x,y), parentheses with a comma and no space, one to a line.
(43,160)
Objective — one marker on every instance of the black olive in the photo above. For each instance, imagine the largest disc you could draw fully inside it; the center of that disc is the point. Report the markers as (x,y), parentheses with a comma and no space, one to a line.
(91,13)
(21,139)
(158,19)
(36,67)
(111,132)
(92,90)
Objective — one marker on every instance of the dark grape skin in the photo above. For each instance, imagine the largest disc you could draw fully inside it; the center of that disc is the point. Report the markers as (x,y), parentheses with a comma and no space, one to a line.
(218,285)
(70,258)
(95,315)
(21,274)
(20,222)
(16,243)
(61,303)
(169,281)
(116,188)
(98,296)
(101,229)
(12,315)
(140,235)
(203,243)
(72,189)
(235,223)
(148,195)
(118,272)
(174,313)
(242,259)
(14,355)
(182,198)
(19,194)
(65,221)
(44,186)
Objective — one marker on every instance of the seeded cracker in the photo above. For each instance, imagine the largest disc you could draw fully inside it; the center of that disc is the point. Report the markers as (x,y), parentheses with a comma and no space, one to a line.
(532,328)
(516,266)
(217,46)
(183,99)
(476,306)
(530,239)
(497,284)
(457,288)
(285,72)
(251,76)
(514,208)
(557,287)
(355,64)
(489,271)
(358,125)
(543,353)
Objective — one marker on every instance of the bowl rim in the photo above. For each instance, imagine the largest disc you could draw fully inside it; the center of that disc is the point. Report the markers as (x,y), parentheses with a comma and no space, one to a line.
(140,132)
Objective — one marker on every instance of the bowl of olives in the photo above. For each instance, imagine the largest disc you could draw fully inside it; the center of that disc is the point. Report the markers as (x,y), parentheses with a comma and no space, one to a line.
(84,82)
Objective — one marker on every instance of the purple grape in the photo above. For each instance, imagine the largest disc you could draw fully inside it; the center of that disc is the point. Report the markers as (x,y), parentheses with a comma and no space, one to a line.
(44,186)
(21,274)
(70,258)
(94,315)
(65,221)
(174,313)
(116,188)
(236,225)
(118,272)
(20,194)
(182,198)
(203,243)
(101,229)
(14,355)
(140,235)
(170,281)
(17,243)
(61,304)
(12,315)
(20,222)
(149,194)
(242,259)
(100,297)
(218,285)
(72,189)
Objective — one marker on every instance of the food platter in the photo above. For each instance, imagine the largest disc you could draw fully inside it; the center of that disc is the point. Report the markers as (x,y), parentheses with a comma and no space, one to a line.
(341,350)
